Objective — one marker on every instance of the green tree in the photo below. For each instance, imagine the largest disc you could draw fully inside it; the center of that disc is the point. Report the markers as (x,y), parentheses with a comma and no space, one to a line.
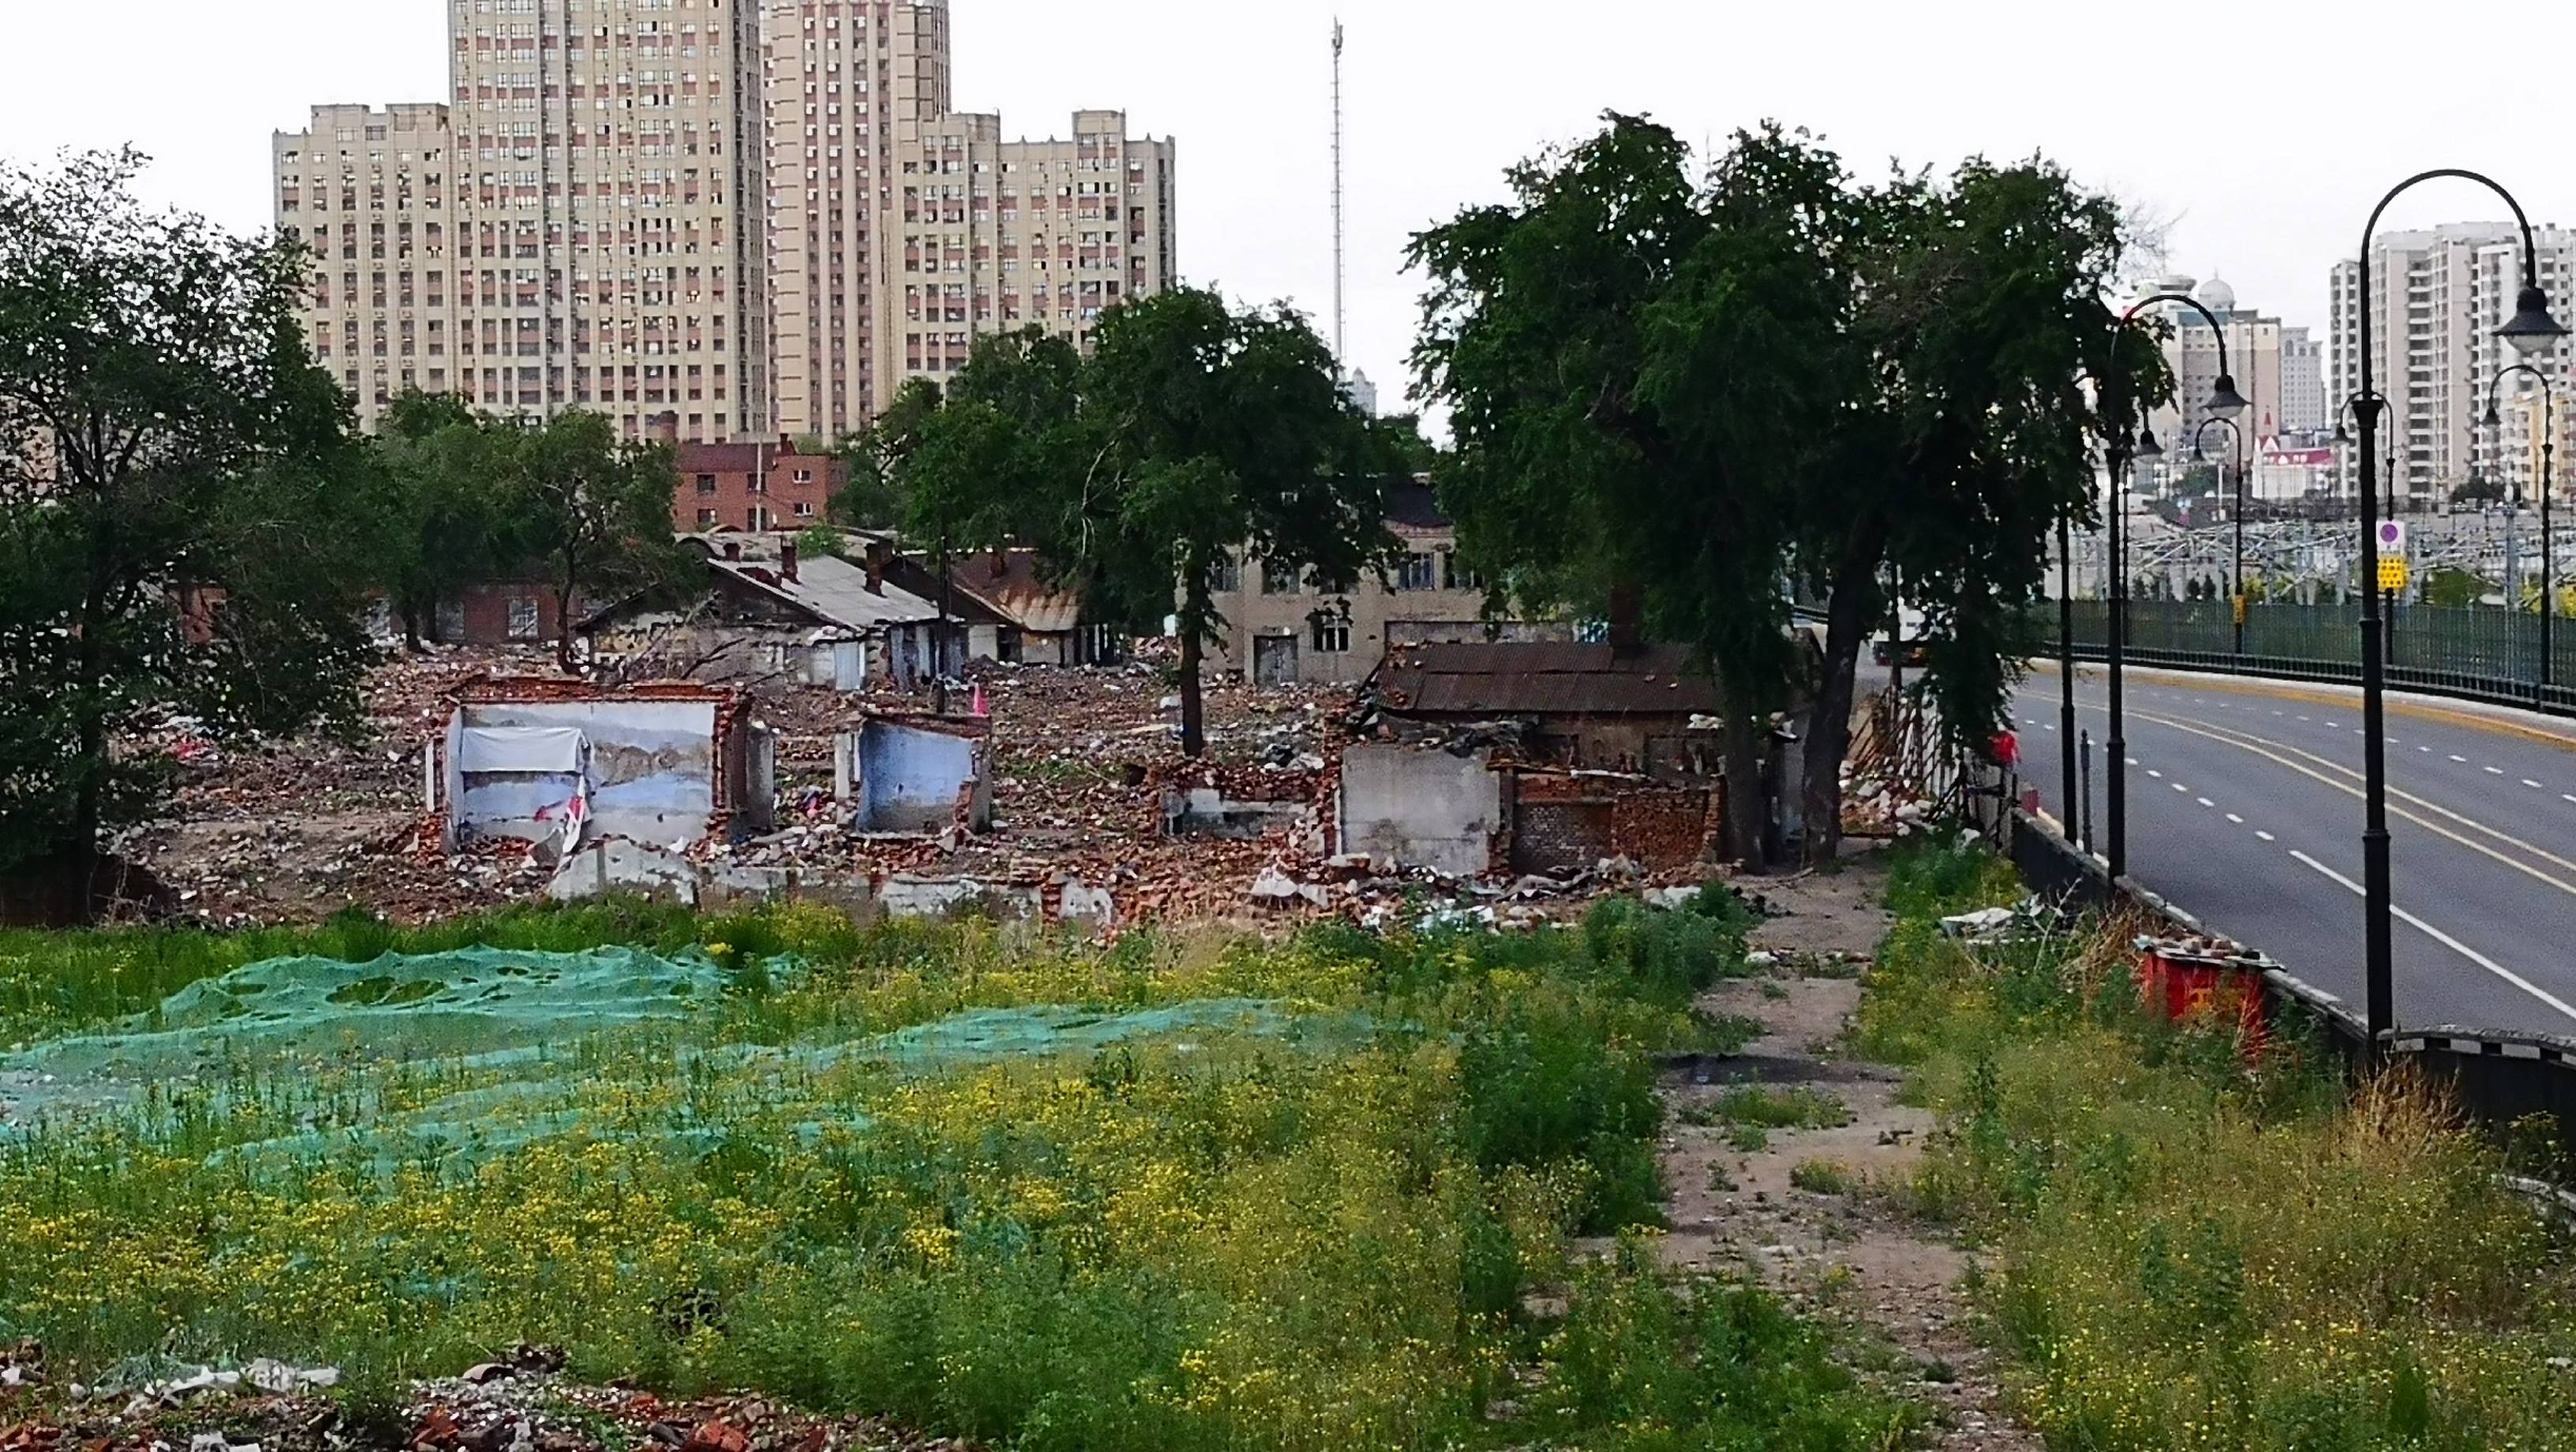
(1988,346)
(1699,396)
(1620,413)
(444,509)
(876,496)
(176,537)
(592,510)
(1193,429)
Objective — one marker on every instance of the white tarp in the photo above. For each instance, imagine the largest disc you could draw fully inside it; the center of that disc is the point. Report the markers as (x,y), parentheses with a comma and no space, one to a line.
(522,750)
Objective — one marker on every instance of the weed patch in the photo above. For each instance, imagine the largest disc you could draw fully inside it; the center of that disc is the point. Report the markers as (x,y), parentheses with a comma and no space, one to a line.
(1182,1193)
(2191,1253)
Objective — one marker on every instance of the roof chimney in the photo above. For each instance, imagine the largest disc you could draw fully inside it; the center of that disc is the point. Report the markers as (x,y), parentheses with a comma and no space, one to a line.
(1001,564)
(787,560)
(733,550)
(1627,619)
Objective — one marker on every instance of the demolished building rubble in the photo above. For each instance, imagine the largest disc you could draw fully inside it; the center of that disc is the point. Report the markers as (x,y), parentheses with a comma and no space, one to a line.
(1060,795)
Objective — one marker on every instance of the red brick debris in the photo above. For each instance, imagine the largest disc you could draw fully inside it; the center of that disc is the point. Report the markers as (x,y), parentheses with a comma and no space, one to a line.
(520,1401)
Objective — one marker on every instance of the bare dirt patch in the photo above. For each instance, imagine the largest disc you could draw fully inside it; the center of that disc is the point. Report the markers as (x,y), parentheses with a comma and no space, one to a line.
(1800,1205)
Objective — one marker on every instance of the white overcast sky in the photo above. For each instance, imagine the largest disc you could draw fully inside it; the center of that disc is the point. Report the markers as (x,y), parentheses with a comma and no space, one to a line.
(2260,131)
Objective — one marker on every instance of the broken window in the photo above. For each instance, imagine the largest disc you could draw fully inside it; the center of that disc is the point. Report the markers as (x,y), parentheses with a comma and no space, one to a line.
(1227,577)
(523,617)
(706,483)
(451,621)
(1460,577)
(1332,635)
(1278,579)
(1415,573)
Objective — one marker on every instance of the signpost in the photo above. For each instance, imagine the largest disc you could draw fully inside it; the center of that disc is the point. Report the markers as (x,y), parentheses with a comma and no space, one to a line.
(2392,557)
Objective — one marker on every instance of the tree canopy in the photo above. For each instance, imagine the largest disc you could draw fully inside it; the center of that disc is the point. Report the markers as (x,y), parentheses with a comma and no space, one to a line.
(1705,398)
(177,534)
(1195,429)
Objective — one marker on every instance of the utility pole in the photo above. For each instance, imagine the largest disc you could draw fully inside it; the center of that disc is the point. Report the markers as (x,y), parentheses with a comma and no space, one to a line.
(1341,357)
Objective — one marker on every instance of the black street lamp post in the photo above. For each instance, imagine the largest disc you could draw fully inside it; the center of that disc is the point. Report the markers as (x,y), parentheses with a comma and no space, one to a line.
(2530,331)
(2548,486)
(2236,586)
(2224,402)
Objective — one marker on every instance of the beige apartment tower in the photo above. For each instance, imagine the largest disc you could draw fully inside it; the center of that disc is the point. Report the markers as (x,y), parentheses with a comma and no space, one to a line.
(996,236)
(733,218)
(581,228)
(372,194)
(845,77)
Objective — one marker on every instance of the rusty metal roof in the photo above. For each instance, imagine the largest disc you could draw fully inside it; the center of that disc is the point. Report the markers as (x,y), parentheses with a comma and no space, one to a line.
(489,690)
(1542,679)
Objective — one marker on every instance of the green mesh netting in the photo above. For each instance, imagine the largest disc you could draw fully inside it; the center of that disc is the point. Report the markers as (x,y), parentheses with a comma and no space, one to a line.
(441,1061)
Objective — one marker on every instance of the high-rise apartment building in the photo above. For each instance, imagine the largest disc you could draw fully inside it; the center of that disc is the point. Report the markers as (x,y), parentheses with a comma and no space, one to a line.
(2278,368)
(372,194)
(845,78)
(711,219)
(988,235)
(2436,298)
(611,169)
(581,228)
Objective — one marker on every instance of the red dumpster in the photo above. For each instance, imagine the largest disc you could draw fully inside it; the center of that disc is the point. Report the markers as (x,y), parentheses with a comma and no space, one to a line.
(2186,983)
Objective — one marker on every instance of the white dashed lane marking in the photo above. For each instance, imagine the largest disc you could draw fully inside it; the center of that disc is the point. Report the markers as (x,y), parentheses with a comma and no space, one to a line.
(2266,836)
(2206,802)
(2239,821)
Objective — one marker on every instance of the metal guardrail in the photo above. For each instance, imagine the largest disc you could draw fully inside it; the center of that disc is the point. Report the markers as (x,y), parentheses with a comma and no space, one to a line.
(2470,653)
(2501,1078)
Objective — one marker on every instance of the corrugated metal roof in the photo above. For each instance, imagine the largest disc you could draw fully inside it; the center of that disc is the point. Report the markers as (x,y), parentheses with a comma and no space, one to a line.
(1538,679)
(1019,593)
(834,591)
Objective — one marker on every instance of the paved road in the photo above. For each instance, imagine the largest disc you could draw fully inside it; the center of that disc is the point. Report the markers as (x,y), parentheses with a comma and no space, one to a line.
(2245,809)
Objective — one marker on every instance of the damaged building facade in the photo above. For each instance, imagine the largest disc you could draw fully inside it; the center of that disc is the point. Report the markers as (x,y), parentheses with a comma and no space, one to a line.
(1532,759)
(773,614)
(560,763)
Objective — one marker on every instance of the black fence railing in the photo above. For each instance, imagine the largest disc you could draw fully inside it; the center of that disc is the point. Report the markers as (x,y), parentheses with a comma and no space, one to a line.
(2473,653)
(2501,1078)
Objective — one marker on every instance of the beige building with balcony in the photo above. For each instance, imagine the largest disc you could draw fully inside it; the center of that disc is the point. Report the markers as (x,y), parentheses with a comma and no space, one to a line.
(581,228)
(993,236)
(2436,298)
(728,222)
(1282,627)
(372,194)
(845,79)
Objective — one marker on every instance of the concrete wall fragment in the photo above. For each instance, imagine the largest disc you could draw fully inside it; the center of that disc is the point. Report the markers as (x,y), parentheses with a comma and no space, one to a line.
(1421,808)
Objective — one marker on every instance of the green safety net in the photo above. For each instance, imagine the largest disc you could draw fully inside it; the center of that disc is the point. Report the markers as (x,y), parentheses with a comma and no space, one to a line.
(441,1061)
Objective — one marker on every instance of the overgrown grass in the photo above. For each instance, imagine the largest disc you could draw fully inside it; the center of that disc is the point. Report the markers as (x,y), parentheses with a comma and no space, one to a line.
(1313,1226)
(2195,1253)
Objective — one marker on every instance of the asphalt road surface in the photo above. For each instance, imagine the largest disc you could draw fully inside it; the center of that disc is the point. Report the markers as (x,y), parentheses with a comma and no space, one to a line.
(2245,810)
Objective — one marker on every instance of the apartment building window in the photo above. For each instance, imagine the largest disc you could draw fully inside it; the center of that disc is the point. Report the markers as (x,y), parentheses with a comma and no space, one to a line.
(1332,634)
(1278,579)
(523,617)
(1459,576)
(1415,573)
(706,519)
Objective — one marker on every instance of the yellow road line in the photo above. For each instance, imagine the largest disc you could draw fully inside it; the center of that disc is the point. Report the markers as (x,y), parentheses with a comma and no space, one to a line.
(2240,686)
(2336,766)
(2355,792)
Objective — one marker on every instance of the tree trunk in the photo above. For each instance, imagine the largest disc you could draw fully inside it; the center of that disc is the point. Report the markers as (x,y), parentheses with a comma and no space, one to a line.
(411,613)
(89,804)
(1193,634)
(1746,807)
(563,629)
(1847,617)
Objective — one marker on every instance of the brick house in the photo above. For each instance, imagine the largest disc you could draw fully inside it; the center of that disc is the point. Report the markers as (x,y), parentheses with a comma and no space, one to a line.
(757,486)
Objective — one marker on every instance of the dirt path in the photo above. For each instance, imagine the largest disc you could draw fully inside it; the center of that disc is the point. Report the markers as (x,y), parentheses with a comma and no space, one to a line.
(1836,1251)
